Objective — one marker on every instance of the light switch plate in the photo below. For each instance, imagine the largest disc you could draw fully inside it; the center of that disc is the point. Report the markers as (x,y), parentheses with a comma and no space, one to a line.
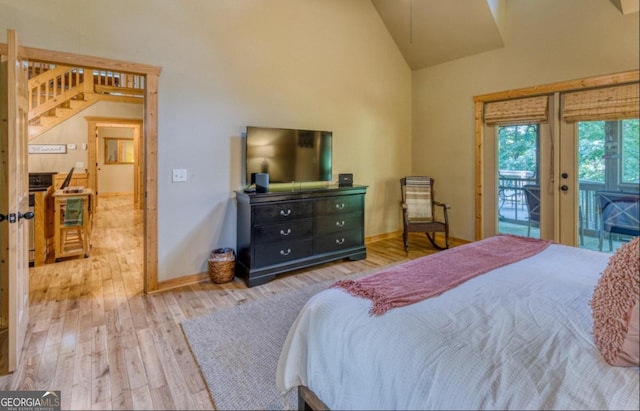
(179,175)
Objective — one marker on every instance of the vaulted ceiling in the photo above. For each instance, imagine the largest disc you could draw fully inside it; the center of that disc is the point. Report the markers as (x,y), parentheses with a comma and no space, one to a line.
(430,32)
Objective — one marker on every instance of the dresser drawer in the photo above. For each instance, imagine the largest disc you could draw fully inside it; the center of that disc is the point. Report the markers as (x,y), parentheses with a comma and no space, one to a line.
(285,211)
(338,222)
(290,230)
(339,205)
(281,252)
(339,241)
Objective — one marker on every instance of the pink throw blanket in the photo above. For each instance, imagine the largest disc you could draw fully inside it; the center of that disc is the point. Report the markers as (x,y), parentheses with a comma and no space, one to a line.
(432,275)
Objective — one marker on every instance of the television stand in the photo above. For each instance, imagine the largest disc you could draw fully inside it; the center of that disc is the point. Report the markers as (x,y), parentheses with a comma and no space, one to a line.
(285,229)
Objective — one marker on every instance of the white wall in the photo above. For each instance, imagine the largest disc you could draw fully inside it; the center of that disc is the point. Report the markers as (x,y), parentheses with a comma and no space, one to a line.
(226,64)
(546,41)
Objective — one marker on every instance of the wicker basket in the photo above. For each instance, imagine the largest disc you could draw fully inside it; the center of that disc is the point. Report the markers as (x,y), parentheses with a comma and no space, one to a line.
(222,264)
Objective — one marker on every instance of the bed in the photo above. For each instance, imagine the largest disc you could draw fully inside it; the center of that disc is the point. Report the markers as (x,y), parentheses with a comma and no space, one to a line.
(519,336)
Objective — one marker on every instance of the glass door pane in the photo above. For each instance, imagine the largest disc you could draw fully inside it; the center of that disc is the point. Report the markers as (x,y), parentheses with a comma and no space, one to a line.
(608,173)
(518,201)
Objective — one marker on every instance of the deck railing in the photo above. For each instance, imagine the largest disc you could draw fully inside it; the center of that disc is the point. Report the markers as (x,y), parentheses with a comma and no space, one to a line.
(512,206)
(511,198)
(588,206)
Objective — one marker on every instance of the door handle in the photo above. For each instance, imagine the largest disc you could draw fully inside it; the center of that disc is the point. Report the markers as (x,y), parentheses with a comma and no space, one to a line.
(11,217)
(28,215)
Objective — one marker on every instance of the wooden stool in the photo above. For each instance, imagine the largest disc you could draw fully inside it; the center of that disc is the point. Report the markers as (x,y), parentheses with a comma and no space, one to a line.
(72,235)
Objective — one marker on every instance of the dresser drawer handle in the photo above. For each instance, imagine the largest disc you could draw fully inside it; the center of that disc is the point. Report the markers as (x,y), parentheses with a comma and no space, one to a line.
(282,232)
(340,223)
(285,213)
(339,241)
(282,252)
(340,206)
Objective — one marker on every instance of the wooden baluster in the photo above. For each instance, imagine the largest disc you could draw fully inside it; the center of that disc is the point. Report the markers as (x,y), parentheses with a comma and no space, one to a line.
(88,80)
(45,95)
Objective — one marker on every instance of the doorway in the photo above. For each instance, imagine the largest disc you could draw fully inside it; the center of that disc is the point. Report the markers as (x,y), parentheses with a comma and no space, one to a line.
(518,179)
(149,136)
(109,174)
(608,168)
(562,219)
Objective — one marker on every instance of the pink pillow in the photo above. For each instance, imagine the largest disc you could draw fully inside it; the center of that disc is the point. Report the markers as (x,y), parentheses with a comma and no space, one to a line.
(615,306)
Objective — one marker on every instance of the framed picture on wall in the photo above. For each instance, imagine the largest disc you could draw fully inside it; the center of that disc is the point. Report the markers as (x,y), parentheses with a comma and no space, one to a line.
(47,148)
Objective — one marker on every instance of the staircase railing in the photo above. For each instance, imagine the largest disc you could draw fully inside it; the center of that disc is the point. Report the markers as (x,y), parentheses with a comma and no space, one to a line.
(53,87)
(118,83)
(50,85)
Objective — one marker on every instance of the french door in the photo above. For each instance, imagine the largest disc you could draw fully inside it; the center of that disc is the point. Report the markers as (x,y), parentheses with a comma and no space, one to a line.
(518,186)
(518,179)
(588,139)
(593,157)
(603,156)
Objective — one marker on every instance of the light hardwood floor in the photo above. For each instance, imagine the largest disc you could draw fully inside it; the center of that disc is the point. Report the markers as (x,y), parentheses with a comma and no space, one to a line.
(98,339)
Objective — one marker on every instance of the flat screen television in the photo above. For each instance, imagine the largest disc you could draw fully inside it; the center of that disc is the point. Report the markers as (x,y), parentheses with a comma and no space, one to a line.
(288,155)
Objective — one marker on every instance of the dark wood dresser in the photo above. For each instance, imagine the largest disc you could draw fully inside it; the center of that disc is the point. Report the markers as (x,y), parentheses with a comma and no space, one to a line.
(287,229)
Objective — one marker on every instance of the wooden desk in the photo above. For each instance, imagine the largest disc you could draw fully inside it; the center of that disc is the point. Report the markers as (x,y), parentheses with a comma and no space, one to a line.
(72,240)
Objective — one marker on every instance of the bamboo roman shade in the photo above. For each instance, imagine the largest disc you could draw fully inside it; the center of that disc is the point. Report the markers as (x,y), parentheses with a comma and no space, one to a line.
(610,103)
(517,111)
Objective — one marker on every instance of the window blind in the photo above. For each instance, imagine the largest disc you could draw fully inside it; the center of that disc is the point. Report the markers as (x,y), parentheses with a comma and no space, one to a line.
(517,111)
(610,103)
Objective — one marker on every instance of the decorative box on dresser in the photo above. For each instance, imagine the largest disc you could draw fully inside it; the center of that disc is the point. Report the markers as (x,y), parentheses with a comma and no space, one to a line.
(286,229)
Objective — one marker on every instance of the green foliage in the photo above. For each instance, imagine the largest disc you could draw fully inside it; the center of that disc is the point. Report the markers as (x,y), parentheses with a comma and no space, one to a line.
(518,147)
(518,150)
(630,151)
(591,151)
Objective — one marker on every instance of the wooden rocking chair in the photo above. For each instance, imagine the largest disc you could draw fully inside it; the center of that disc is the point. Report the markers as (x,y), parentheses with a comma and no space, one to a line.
(418,206)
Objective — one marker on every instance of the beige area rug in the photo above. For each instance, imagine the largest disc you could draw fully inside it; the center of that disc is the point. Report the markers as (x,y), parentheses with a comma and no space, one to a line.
(238,348)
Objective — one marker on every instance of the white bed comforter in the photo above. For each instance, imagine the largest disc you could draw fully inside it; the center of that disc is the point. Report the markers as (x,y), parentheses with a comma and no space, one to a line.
(518,337)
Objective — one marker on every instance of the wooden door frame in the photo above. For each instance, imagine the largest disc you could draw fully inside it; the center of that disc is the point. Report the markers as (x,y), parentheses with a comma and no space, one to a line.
(150,126)
(481,177)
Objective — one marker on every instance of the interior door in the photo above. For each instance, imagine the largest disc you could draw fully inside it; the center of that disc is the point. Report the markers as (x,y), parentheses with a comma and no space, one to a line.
(14,203)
